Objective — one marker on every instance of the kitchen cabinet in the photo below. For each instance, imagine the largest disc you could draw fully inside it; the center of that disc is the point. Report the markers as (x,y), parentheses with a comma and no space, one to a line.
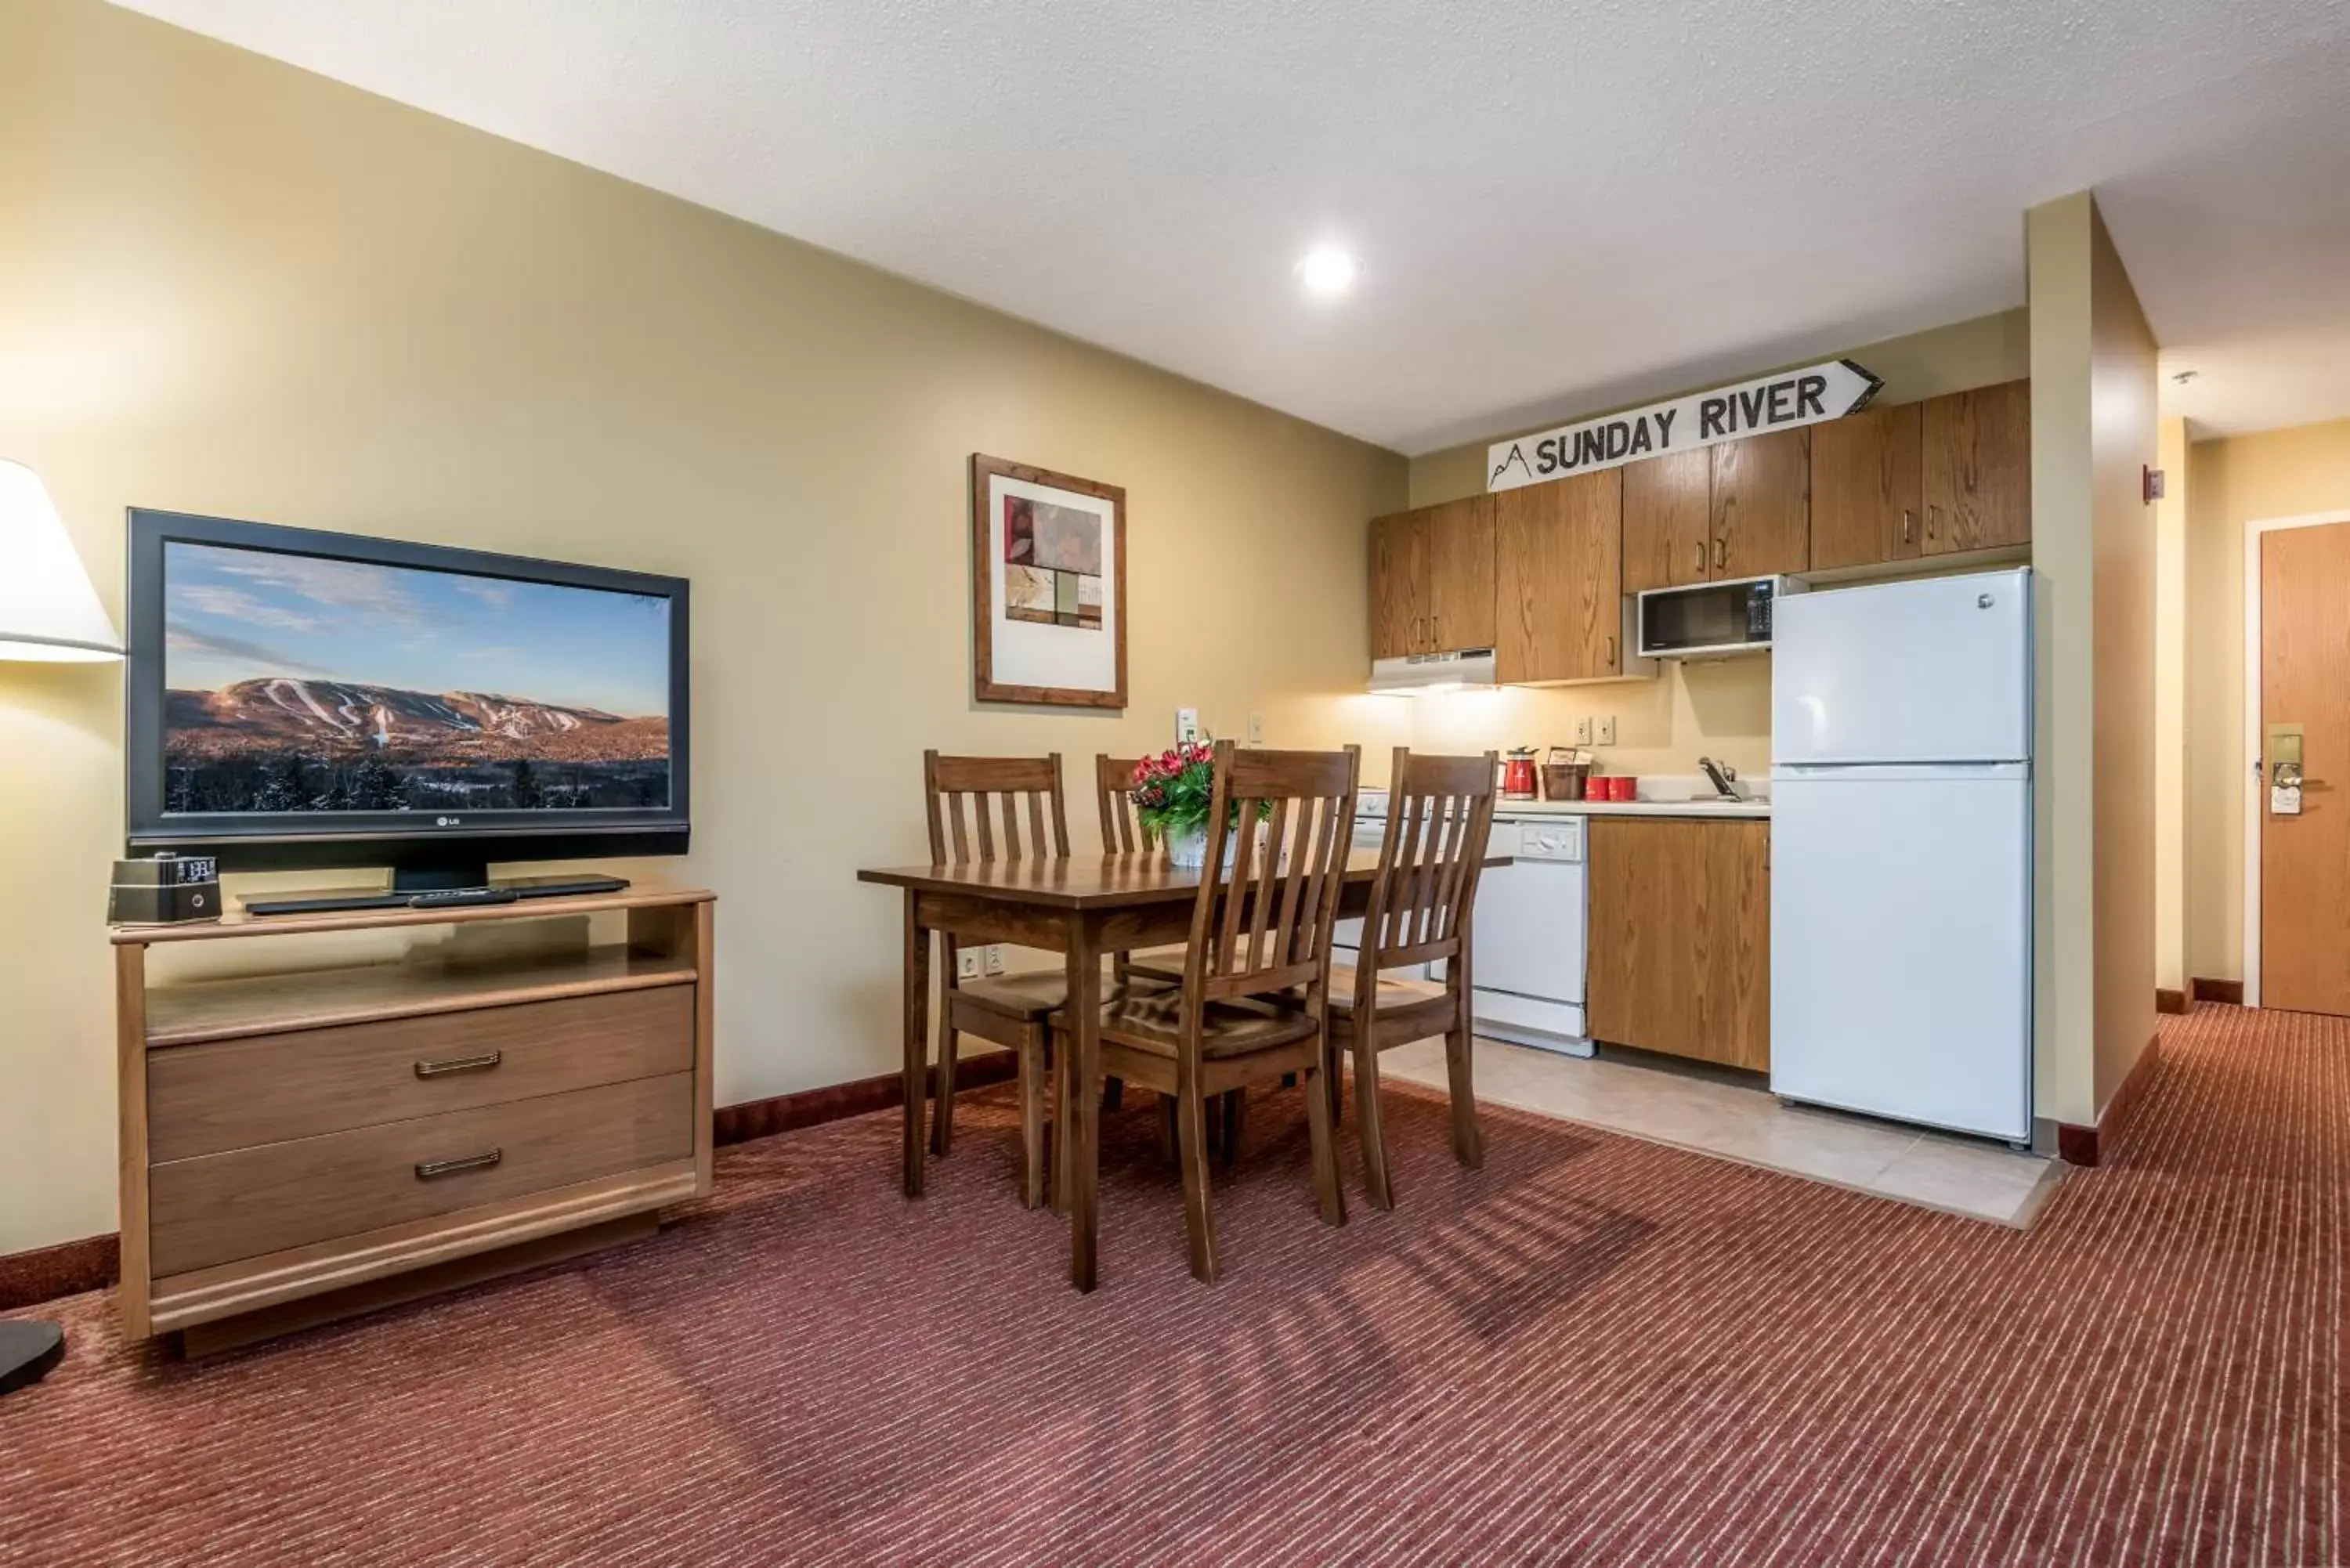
(1398,582)
(1559,577)
(1679,943)
(1432,579)
(1866,499)
(1460,567)
(1668,520)
(1762,506)
(1976,468)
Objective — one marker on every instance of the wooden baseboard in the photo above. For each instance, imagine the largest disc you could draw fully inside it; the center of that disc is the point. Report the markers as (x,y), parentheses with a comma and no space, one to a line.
(95,1262)
(809,1107)
(68,1268)
(2169,1001)
(2077,1145)
(2230,992)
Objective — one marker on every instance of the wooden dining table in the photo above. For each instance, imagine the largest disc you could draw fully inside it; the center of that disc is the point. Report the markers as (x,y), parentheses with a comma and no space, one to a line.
(1082,907)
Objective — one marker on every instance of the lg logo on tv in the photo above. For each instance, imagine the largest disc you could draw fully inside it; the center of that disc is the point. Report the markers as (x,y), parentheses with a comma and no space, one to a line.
(445,822)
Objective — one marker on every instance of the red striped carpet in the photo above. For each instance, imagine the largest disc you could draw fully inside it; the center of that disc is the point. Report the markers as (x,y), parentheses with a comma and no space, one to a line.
(1595,1350)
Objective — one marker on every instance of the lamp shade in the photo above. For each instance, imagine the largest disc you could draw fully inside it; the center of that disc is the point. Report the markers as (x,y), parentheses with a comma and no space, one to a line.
(48,611)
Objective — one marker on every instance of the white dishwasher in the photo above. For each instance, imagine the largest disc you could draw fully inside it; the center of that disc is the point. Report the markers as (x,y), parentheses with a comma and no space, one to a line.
(1526,947)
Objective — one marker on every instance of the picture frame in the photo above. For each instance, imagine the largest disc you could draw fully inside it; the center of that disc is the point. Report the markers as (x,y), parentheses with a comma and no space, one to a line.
(1047,586)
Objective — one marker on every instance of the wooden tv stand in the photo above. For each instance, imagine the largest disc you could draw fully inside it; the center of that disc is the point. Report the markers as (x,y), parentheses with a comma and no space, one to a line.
(302,1143)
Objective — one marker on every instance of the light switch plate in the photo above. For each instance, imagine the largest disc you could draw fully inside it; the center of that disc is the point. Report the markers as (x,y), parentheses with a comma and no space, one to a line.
(1256,730)
(1187,723)
(1607,731)
(968,961)
(1583,730)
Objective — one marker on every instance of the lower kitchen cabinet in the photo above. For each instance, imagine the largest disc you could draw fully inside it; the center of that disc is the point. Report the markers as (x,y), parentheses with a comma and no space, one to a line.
(1679,943)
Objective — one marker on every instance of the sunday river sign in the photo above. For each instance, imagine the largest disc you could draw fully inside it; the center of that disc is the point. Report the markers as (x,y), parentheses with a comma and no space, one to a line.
(1792,398)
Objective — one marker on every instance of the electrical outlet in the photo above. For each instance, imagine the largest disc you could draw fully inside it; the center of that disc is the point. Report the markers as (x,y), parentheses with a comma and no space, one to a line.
(995,957)
(967,963)
(1256,730)
(1583,730)
(1607,731)
(1187,725)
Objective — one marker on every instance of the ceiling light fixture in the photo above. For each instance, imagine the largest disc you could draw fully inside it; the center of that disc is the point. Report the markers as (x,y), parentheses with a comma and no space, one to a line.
(1329,271)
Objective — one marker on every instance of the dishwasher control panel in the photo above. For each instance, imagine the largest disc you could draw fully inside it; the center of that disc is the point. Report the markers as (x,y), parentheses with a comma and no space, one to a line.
(1553,839)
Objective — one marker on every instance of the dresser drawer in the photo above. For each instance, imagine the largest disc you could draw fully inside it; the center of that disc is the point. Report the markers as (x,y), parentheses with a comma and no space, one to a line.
(217,1208)
(240,1094)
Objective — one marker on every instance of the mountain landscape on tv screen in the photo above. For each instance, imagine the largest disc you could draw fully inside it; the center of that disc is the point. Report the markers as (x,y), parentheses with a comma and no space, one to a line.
(283,744)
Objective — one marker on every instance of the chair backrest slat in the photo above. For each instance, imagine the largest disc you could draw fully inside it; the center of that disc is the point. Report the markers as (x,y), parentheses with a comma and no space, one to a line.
(1440,820)
(990,790)
(1122,832)
(1266,926)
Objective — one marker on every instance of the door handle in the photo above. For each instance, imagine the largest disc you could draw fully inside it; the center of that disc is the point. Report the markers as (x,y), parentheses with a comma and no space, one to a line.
(1700,558)
(1721,553)
(1905,516)
(1611,653)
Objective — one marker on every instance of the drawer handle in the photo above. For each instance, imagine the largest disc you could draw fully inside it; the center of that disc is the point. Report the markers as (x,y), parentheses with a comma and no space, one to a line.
(459,1064)
(431,1170)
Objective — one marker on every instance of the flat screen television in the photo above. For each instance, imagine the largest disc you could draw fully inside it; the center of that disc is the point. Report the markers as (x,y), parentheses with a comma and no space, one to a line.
(300,698)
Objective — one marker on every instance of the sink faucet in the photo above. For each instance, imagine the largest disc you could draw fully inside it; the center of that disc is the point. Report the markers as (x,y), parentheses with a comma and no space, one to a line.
(1722,774)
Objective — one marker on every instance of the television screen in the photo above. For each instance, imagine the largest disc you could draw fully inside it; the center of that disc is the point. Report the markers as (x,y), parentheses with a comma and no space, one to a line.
(299,683)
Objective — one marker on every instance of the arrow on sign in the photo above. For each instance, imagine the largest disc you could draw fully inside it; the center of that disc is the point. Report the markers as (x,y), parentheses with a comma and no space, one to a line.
(1787,400)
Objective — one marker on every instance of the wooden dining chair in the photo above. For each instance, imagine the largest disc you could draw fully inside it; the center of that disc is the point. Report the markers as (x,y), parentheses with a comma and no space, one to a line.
(1439,818)
(978,807)
(1255,975)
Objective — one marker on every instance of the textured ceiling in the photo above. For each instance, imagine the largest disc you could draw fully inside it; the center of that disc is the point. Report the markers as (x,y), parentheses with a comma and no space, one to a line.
(1557,207)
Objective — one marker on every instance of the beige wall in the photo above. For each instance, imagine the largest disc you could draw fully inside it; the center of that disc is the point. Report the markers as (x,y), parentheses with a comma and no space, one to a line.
(1720,708)
(231,288)
(2094,426)
(2232,481)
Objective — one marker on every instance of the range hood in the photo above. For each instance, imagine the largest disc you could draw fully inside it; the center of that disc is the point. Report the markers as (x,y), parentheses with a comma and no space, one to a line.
(1418,674)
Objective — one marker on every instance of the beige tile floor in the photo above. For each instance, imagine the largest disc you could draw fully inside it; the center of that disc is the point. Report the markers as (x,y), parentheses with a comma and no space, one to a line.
(1737,1119)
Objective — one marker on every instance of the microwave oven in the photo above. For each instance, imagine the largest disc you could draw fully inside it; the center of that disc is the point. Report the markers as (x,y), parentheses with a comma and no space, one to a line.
(1709,620)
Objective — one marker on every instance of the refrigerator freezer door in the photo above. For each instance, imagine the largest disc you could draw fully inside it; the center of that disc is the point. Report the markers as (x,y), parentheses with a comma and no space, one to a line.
(1937,670)
(1901,947)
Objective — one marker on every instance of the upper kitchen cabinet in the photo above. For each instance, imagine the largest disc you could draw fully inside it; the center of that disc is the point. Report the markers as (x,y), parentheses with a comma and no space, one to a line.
(1432,579)
(1460,567)
(1865,489)
(1977,468)
(1558,565)
(1762,506)
(1668,521)
(1399,584)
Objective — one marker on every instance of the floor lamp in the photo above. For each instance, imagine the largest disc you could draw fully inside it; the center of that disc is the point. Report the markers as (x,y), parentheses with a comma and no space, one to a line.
(49,614)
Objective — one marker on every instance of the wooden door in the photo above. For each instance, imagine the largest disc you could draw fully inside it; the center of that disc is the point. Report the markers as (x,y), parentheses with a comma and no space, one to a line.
(1461,574)
(1398,585)
(1559,576)
(1977,468)
(1644,970)
(1734,978)
(1865,488)
(1762,506)
(1668,521)
(2305,680)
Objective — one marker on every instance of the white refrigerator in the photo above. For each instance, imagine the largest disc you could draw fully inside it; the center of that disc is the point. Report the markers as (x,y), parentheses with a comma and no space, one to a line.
(1901,851)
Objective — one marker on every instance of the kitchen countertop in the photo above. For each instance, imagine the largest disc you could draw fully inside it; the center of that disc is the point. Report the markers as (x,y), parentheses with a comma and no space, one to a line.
(1733,810)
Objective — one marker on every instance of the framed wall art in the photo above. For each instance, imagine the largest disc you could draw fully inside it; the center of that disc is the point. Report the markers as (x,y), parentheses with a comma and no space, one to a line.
(1047,586)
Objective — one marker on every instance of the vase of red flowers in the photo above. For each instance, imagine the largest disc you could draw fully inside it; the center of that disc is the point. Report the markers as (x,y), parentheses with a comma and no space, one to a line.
(1171,793)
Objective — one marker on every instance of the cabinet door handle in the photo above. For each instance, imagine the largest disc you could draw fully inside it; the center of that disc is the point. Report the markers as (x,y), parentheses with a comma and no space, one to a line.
(1700,558)
(1905,517)
(1721,553)
(480,1064)
(1611,653)
(431,1170)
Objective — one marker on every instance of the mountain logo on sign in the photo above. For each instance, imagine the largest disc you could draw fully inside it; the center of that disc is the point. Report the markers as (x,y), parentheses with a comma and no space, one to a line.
(1516,457)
